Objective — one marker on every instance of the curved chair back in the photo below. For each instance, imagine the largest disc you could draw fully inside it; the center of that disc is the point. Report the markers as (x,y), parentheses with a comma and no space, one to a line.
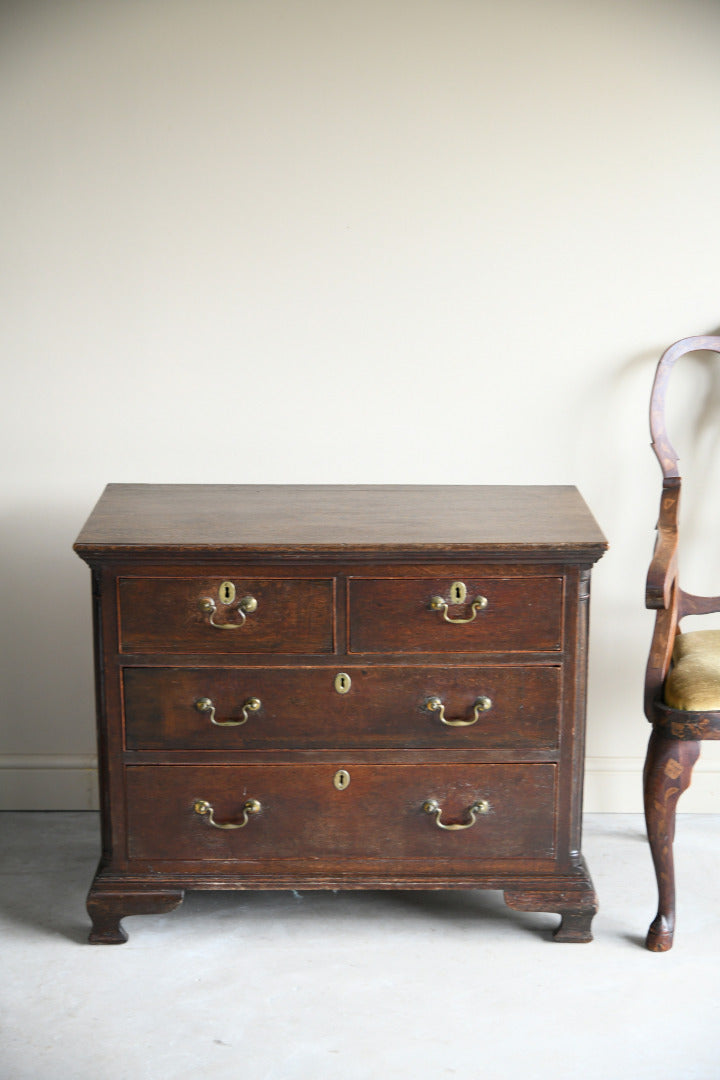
(663,591)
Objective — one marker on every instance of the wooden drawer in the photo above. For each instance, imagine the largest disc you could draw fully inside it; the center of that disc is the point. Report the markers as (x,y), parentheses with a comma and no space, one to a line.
(396,615)
(190,614)
(380,815)
(299,707)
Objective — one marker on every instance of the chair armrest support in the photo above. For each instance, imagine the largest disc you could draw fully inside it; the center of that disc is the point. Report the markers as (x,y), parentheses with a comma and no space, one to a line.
(661,649)
(689,604)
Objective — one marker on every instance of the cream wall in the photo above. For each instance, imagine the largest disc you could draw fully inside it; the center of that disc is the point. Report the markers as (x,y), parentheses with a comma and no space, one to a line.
(377,241)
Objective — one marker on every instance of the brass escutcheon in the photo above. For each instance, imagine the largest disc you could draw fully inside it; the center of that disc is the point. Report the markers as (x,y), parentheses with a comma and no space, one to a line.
(343,682)
(227,592)
(341,779)
(458,592)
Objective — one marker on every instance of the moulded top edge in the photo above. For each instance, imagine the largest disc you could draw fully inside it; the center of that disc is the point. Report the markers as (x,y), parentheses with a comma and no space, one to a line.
(326,521)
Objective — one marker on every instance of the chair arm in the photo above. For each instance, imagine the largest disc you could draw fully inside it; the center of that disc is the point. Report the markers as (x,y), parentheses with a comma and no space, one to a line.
(662,574)
(663,571)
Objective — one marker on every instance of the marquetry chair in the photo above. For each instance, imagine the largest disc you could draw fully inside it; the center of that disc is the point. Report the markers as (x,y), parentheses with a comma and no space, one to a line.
(682,682)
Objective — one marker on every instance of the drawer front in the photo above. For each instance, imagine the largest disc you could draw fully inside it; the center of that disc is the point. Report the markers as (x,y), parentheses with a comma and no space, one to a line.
(421,615)
(218,615)
(257,708)
(389,812)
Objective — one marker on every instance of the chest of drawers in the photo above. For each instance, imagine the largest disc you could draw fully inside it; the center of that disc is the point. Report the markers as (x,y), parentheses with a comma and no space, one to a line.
(340,687)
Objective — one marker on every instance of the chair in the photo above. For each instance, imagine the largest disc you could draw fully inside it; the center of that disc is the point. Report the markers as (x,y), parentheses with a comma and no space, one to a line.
(682,682)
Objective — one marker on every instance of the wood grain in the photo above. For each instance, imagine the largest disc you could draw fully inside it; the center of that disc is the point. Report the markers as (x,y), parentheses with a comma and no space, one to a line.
(325,519)
(386,707)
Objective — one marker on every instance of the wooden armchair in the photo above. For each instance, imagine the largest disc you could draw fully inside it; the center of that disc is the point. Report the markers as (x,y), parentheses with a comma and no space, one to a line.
(682,682)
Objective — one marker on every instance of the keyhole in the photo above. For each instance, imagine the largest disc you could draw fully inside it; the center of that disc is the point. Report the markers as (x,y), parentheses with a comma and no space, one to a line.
(227,592)
(341,779)
(342,682)
(458,592)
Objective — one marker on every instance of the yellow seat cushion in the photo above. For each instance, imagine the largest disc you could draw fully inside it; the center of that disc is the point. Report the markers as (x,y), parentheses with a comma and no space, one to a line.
(693,683)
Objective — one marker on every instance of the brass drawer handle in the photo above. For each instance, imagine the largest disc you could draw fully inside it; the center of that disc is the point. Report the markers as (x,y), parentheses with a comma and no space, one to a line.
(205,705)
(432,806)
(438,604)
(435,704)
(204,809)
(244,607)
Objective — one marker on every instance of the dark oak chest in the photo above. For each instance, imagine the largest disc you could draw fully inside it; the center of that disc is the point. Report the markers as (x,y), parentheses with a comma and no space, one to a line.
(340,687)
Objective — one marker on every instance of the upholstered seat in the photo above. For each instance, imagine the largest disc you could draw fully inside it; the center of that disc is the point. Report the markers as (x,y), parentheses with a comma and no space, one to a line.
(693,683)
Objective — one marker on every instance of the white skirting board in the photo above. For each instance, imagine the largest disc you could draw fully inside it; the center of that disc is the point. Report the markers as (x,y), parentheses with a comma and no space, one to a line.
(48,782)
(613,785)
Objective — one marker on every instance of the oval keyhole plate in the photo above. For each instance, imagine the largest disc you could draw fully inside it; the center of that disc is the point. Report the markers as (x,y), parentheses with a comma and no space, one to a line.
(458,592)
(341,779)
(227,592)
(342,682)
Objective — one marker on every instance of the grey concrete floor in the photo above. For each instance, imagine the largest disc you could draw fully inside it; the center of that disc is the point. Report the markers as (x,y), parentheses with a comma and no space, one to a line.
(309,986)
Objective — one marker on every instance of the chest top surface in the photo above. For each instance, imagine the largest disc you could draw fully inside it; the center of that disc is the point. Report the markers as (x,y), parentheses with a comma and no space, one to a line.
(324,520)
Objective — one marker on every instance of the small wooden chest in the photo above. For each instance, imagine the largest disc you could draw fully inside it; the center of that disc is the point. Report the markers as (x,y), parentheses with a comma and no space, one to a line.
(340,687)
